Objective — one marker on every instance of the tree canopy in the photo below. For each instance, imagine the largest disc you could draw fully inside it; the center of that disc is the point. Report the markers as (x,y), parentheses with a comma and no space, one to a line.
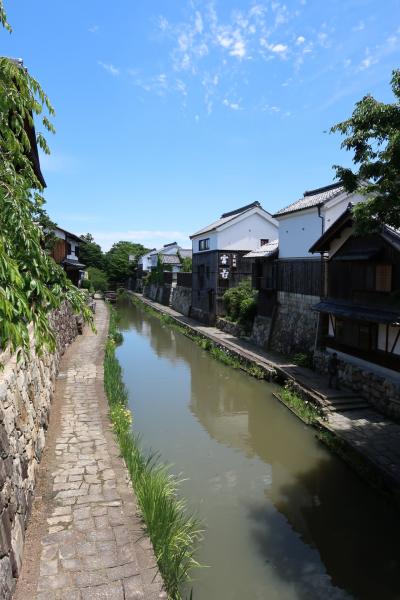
(373,134)
(91,253)
(31,283)
(118,266)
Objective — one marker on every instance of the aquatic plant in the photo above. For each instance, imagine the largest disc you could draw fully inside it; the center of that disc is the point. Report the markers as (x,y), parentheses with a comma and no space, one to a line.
(174,532)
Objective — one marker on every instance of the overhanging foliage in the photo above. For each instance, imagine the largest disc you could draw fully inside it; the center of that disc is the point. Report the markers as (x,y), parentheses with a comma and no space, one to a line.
(31,283)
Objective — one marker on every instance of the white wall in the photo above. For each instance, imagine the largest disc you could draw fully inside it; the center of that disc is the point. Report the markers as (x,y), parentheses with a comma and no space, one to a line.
(393,331)
(336,207)
(59,234)
(145,262)
(213,242)
(73,243)
(246,234)
(297,233)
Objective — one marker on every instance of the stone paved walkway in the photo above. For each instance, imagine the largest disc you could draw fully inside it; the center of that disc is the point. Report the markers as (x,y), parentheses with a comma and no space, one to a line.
(372,434)
(92,543)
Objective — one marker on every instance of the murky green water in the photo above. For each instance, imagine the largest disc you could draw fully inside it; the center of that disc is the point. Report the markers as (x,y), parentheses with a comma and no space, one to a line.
(285,519)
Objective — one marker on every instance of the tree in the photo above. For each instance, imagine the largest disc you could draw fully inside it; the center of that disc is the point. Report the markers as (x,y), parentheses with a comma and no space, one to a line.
(90,253)
(186,263)
(31,283)
(118,266)
(373,134)
(98,279)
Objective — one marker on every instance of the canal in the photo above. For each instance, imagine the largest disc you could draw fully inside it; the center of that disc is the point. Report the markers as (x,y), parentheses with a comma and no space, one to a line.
(284,518)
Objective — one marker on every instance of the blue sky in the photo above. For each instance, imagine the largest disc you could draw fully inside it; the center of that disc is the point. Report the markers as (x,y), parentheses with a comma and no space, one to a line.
(169,113)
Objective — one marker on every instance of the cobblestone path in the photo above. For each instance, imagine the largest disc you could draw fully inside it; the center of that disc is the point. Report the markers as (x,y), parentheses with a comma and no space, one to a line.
(92,545)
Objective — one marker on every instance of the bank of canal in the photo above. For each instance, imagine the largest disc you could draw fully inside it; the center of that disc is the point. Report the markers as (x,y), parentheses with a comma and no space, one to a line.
(285,519)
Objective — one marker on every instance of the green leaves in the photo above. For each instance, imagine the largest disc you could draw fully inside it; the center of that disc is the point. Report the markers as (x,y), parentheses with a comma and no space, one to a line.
(373,134)
(31,284)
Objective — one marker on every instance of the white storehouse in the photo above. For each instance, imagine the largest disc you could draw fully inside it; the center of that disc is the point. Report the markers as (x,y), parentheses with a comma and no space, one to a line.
(218,251)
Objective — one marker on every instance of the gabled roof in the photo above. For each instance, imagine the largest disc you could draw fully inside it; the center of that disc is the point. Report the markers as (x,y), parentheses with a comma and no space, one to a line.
(71,235)
(313,198)
(390,235)
(227,217)
(186,253)
(169,259)
(265,251)
(345,220)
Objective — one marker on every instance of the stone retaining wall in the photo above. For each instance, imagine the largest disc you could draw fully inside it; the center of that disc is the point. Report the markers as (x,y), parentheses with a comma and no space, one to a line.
(261,331)
(26,390)
(295,324)
(383,392)
(181,299)
(229,327)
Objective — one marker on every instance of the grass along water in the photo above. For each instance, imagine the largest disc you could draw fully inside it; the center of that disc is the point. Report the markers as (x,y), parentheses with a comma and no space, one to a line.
(174,532)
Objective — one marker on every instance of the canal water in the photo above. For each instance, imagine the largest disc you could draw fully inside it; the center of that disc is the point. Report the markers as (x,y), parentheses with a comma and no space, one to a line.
(284,518)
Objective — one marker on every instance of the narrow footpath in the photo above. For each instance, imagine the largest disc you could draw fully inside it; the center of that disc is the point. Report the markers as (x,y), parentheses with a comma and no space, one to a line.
(369,433)
(85,540)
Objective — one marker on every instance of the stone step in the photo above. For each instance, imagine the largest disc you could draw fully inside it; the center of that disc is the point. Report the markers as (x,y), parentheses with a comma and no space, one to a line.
(342,407)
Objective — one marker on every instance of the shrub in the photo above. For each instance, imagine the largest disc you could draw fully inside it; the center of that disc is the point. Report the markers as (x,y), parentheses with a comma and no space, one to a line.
(304,359)
(241,303)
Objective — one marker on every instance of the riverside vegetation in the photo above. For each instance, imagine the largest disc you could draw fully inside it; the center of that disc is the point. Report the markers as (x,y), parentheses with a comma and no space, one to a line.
(174,532)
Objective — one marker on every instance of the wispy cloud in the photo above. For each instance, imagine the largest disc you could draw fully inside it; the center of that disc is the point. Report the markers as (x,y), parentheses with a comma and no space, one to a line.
(147,237)
(110,68)
(94,29)
(231,105)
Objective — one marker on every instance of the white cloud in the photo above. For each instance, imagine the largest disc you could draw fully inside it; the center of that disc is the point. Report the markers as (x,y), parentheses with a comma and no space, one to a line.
(110,68)
(163,23)
(147,237)
(94,29)
(359,27)
(231,105)
(279,48)
(300,40)
(198,23)
(367,62)
(238,49)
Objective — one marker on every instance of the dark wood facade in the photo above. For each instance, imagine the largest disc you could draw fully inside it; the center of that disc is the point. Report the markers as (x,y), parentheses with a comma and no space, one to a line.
(213,273)
(297,276)
(361,309)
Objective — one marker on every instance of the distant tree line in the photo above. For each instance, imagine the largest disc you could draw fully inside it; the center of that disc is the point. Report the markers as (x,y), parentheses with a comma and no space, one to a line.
(112,269)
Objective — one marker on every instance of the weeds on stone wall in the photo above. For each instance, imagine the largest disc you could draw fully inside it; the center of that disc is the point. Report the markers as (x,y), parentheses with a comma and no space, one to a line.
(304,409)
(174,532)
(216,351)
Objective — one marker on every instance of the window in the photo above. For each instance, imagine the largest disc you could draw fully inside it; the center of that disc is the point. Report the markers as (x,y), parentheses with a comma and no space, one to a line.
(264,241)
(76,251)
(204,244)
(356,334)
(69,249)
(383,280)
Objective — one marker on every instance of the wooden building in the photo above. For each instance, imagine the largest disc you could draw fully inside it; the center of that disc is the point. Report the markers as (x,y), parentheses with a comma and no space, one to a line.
(66,253)
(360,310)
(218,256)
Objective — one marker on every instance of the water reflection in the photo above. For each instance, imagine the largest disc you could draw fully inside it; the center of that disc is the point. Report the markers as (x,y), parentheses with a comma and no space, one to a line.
(286,518)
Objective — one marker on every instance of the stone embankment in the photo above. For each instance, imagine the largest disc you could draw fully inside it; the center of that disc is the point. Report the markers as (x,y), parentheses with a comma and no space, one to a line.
(372,437)
(85,540)
(26,391)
